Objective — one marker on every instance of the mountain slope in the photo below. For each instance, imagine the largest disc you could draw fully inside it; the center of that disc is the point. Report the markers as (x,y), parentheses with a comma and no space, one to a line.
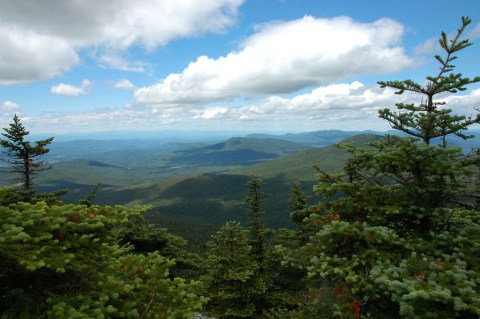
(235,151)
(128,167)
(300,165)
(212,199)
(226,186)
(317,138)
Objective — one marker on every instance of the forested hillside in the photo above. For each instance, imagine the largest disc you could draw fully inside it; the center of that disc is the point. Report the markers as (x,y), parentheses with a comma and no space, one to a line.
(377,226)
(213,199)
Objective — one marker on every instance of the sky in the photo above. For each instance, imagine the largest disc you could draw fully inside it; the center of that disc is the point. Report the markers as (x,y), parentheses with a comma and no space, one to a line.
(80,66)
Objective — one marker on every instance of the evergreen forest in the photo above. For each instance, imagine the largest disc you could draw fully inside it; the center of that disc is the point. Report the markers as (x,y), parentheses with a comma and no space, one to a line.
(393,233)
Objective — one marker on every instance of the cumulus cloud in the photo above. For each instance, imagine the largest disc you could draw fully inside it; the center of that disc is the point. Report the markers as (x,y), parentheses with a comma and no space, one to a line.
(71,90)
(26,56)
(41,39)
(344,100)
(354,105)
(122,23)
(117,62)
(347,106)
(283,57)
(211,113)
(464,103)
(341,106)
(9,106)
(427,47)
(123,84)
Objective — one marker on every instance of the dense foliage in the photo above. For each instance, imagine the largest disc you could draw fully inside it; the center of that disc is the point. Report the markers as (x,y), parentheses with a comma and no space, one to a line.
(233,280)
(67,261)
(396,234)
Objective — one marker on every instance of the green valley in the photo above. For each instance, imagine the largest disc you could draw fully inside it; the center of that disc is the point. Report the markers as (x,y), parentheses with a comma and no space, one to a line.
(202,187)
(196,185)
(325,224)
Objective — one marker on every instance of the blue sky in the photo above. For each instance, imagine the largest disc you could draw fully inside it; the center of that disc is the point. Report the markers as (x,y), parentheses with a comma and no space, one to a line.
(239,65)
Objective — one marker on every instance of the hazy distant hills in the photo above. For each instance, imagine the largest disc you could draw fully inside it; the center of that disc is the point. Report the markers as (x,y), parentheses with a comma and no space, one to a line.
(317,138)
(126,167)
(122,163)
(236,151)
(328,137)
(299,166)
(210,200)
(199,183)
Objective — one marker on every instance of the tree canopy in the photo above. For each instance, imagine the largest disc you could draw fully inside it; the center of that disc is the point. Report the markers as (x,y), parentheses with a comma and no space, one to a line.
(396,234)
(22,155)
(397,231)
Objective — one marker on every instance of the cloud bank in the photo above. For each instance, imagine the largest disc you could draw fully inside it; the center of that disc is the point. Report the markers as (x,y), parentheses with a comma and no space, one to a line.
(123,84)
(9,106)
(41,39)
(346,106)
(71,90)
(284,57)
(28,57)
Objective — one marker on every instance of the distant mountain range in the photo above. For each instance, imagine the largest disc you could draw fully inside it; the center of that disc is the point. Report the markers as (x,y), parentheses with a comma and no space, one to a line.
(317,138)
(126,167)
(199,184)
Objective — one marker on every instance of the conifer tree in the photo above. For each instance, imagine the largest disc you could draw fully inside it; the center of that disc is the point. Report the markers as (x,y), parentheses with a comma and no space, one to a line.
(258,231)
(88,200)
(298,199)
(233,282)
(22,155)
(398,234)
(429,120)
(67,262)
(299,208)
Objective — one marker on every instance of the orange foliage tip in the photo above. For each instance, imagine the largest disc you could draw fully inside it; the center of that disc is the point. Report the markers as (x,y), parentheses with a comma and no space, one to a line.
(331,217)
(74,218)
(60,235)
(355,307)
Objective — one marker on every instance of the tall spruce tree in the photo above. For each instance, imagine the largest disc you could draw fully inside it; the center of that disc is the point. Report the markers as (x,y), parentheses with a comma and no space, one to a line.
(22,155)
(233,282)
(398,233)
(299,208)
(258,231)
(429,120)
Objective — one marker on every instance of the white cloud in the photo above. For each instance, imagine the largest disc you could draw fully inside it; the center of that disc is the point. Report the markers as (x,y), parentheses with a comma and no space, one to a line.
(466,104)
(352,106)
(71,90)
(121,23)
(41,39)
(283,57)
(26,56)
(347,106)
(9,106)
(346,101)
(427,47)
(211,113)
(117,62)
(124,84)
